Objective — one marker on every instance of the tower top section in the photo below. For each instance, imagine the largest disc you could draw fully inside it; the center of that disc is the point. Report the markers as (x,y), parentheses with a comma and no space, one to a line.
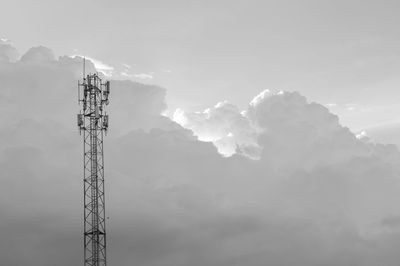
(93,94)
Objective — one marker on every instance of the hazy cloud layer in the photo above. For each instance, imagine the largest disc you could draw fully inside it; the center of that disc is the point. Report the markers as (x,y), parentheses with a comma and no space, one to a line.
(315,195)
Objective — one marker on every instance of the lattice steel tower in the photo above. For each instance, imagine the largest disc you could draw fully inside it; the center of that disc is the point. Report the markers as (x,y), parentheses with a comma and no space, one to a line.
(93,121)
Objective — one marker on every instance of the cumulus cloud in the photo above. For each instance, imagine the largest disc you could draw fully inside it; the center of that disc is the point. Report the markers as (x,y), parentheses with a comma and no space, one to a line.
(44,87)
(7,51)
(225,126)
(38,54)
(295,176)
(279,126)
(299,133)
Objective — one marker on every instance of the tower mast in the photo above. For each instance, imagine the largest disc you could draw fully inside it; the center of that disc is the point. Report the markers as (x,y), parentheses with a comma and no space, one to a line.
(93,121)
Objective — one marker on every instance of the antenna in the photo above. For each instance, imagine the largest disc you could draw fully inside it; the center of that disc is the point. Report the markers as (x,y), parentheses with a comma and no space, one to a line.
(83,77)
(93,121)
(84,67)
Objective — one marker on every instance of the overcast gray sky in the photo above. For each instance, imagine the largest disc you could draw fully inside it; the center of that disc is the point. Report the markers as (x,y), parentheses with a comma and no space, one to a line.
(343,53)
(268,177)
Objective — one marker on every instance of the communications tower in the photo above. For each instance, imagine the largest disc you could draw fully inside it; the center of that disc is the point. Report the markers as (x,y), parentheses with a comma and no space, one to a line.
(93,122)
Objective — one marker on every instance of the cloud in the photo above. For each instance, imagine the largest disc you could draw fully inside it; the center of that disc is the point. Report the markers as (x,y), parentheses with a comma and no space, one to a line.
(127,66)
(301,134)
(7,51)
(351,107)
(38,54)
(225,126)
(362,136)
(136,105)
(277,126)
(102,67)
(174,200)
(125,74)
(143,76)
(331,104)
(385,133)
(39,77)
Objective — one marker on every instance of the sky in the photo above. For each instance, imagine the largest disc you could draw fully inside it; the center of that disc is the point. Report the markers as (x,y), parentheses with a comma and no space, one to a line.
(341,53)
(241,133)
